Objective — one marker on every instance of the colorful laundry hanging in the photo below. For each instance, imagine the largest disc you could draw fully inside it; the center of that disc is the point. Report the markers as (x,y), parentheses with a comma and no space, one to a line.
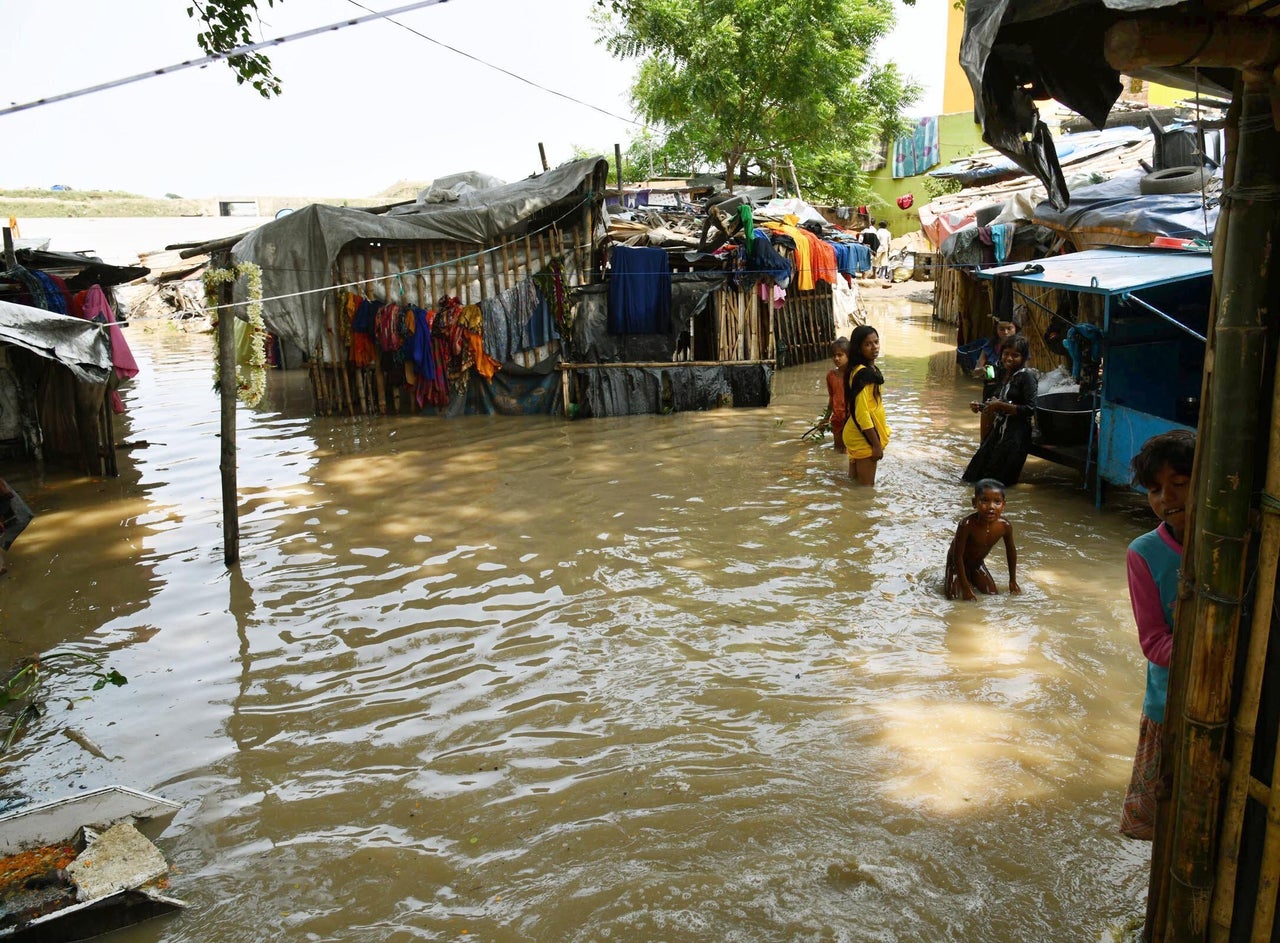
(92,305)
(551,287)
(506,317)
(917,151)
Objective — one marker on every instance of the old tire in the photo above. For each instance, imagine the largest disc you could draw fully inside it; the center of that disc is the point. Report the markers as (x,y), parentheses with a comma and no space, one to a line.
(1174,180)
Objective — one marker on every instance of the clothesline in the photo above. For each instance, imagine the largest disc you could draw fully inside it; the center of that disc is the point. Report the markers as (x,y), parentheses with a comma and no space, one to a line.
(414,271)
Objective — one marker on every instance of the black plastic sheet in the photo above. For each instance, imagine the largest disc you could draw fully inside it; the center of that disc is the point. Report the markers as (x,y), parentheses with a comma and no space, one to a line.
(1016,53)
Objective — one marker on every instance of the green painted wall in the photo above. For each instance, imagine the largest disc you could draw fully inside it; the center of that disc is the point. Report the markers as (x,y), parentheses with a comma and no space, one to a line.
(958,136)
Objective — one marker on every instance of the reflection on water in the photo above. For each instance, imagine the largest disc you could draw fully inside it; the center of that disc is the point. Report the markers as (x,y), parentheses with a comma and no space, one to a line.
(631,679)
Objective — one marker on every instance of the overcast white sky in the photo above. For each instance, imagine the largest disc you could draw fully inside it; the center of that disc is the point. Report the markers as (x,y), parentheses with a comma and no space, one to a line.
(362,107)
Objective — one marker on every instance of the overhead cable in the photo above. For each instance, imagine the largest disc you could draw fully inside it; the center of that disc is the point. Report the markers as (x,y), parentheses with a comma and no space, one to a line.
(518,78)
(214,57)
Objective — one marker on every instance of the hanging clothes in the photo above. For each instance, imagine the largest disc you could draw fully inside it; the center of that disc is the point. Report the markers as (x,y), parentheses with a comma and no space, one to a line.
(748,224)
(823,254)
(917,151)
(804,252)
(762,260)
(363,352)
(57,297)
(505,318)
(389,330)
(550,283)
(92,305)
(639,291)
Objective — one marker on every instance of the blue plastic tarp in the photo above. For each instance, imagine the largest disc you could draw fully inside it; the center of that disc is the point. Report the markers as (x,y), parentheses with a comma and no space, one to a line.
(1119,205)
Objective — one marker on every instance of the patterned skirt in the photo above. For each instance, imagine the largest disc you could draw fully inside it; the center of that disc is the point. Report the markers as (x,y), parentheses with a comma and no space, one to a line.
(1138,818)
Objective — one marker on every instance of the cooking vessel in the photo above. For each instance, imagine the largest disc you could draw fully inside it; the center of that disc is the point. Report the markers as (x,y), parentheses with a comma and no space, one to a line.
(1064,418)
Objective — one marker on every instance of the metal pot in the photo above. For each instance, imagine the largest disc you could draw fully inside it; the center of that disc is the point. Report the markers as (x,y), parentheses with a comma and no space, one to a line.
(1064,418)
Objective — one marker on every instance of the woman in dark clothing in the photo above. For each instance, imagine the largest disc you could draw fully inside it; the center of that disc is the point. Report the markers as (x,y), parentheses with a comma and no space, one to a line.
(1004,451)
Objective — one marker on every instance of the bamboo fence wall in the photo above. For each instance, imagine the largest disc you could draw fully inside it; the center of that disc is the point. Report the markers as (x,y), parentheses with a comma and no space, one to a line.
(419,273)
(963,299)
(804,326)
(743,326)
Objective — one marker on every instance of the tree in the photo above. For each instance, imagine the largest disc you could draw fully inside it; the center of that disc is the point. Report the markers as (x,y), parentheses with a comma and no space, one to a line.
(769,82)
(231,23)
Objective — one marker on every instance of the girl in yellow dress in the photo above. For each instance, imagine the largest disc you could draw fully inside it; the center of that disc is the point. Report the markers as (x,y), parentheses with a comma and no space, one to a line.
(866,433)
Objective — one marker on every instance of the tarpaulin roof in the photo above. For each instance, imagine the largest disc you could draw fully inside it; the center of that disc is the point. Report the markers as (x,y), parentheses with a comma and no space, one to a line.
(80,270)
(81,346)
(1071,149)
(1017,52)
(296,252)
(1109,271)
(1119,205)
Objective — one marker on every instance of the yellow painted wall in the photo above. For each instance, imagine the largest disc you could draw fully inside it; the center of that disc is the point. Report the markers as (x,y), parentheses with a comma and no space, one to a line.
(957,95)
(958,136)
(1162,96)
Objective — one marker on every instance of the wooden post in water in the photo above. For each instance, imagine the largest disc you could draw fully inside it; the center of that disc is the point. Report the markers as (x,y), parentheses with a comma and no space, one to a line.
(227,371)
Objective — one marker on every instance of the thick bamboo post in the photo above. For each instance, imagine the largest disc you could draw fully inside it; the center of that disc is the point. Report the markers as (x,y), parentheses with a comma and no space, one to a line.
(227,373)
(1238,784)
(1246,725)
(1221,540)
(1184,615)
(1161,40)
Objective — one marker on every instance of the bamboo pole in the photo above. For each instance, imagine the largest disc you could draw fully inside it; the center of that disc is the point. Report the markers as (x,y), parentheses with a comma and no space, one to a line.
(227,373)
(1223,905)
(565,365)
(379,379)
(459,273)
(431,261)
(1246,722)
(1221,540)
(1161,40)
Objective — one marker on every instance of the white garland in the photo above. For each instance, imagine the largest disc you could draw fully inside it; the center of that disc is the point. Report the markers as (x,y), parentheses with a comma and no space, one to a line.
(251,378)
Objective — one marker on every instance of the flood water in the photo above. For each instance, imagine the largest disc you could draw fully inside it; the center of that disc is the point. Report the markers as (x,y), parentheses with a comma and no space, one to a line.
(637,679)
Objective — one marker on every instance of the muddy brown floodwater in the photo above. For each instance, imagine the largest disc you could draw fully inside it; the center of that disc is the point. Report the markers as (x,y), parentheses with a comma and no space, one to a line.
(653,678)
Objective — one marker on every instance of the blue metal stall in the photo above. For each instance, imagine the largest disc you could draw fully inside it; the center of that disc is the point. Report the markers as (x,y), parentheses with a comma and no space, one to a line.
(1152,341)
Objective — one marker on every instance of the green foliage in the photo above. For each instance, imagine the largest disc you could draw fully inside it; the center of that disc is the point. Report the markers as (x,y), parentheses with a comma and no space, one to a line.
(645,156)
(941,186)
(228,24)
(728,83)
(23,689)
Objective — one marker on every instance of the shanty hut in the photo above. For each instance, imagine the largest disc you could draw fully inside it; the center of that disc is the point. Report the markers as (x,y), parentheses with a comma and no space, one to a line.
(62,357)
(484,297)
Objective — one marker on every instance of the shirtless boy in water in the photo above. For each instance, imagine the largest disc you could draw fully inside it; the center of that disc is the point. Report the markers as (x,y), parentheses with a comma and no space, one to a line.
(975,536)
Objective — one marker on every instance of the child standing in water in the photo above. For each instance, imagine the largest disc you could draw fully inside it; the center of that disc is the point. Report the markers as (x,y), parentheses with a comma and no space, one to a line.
(866,433)
(1004,450)
(991,371)
(975,536)
(837,412)
(1163,467)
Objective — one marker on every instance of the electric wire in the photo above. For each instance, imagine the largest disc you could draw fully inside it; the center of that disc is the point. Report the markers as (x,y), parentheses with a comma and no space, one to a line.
(217,56)
(507,72)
